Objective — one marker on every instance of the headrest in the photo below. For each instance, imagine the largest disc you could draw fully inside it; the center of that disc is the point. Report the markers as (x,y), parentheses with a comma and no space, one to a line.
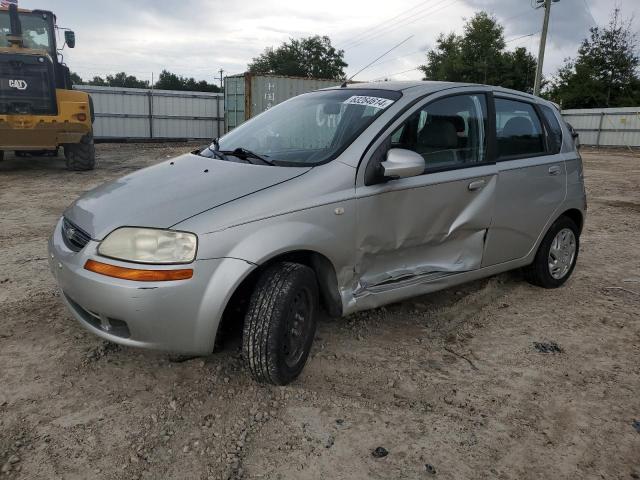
(440,132)
(458,122)
(517,127)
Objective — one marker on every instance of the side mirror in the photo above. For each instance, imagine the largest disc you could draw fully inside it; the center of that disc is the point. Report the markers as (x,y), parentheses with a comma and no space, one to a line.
(401,163)
(70,38)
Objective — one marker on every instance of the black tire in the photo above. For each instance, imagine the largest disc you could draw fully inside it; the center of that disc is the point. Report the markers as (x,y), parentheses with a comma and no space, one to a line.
(81,156)
(280,323)
(1,155)
(539,272)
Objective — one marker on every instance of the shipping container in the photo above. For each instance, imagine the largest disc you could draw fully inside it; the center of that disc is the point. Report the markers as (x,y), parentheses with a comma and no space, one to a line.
(138,113)
(246,95)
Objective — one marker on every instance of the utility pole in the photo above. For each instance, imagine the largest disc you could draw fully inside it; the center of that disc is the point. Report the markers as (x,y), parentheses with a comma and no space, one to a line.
(221,71)
(543,43)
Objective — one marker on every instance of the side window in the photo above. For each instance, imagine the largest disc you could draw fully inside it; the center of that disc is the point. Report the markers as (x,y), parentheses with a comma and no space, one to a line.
(448,133)
(555,132)
(518,129)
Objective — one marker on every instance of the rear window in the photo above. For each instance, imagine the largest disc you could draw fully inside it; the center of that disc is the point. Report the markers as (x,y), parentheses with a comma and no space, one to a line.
(555,132)
(518,129)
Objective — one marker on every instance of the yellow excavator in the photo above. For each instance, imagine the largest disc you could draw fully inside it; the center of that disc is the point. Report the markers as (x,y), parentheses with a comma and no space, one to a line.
(39,111)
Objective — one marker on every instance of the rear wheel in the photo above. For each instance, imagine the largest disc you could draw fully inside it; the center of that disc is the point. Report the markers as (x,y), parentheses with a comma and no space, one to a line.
(557,255)
(280,323)
(81,156)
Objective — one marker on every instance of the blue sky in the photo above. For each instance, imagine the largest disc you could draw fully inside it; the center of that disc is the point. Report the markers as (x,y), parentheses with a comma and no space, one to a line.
(198,37)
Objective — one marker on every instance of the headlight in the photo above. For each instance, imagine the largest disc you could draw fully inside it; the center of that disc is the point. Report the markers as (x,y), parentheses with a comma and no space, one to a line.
(149,245)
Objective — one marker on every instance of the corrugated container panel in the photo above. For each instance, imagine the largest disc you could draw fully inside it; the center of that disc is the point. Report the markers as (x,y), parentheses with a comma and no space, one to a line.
(264,92)
(234,101)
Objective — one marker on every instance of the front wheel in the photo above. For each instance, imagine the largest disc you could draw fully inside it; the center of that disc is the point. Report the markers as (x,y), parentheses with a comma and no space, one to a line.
(81,156)
(280,323)
(557,255)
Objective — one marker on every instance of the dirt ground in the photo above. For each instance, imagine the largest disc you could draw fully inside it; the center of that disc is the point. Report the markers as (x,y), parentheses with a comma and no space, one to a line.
(450,384)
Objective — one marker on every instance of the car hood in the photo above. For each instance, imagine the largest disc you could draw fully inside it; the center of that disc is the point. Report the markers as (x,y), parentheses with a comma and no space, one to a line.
(167,193)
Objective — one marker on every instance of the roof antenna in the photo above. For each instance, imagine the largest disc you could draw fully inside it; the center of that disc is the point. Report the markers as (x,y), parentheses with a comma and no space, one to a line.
(344,84)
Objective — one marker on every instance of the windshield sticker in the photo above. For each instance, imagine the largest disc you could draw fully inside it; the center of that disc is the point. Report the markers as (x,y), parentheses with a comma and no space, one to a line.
(375,102)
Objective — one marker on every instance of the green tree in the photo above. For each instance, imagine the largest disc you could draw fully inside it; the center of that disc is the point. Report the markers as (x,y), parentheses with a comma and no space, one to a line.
(312,57)
(605,72)
(171,81)
(120,79)
(76,79)
(98,82)
(479,55)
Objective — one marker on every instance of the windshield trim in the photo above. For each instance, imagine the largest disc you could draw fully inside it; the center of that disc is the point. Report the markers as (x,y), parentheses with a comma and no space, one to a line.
(356,91)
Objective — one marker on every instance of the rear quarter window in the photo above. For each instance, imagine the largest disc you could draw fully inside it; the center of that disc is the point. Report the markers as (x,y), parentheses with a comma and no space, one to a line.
(555,131)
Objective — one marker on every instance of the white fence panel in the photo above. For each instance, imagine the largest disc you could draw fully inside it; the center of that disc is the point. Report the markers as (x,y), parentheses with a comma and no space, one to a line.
(133,113)
(615,127)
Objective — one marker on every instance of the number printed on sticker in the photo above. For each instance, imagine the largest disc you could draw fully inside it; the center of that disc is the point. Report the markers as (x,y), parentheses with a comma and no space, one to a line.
(375,102)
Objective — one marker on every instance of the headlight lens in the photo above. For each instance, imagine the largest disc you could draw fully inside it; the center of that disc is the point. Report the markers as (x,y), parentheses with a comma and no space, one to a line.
(148,245)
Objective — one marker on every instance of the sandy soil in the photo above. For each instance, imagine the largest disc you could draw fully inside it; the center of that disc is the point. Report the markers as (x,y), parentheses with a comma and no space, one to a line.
(449,384)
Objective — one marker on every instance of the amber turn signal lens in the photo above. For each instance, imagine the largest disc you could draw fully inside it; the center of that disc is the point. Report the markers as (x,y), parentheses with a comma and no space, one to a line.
(137,274)
(81,116)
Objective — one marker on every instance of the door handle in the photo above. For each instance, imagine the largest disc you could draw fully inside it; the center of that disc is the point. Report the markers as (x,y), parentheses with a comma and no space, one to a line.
(554,170)
(476,185)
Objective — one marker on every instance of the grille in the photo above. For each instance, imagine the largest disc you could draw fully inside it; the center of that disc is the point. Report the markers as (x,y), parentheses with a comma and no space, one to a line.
(27,85)
(74,237)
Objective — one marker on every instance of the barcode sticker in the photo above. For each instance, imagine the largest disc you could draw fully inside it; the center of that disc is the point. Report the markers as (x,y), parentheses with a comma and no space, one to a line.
(375,102)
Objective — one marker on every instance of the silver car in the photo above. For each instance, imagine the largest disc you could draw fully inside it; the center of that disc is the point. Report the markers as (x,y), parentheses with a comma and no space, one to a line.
(343,199)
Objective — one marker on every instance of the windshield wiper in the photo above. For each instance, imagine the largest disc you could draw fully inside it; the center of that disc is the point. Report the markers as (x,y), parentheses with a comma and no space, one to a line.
(214,148)
(249,154)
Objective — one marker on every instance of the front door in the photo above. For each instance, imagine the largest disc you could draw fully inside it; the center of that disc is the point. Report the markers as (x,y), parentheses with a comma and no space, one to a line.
(415,230)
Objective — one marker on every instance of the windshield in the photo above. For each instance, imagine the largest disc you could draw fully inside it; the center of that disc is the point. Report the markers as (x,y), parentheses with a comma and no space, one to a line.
(36,30)
(310,129)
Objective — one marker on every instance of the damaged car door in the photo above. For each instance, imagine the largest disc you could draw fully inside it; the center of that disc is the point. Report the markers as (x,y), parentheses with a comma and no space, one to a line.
(415,230)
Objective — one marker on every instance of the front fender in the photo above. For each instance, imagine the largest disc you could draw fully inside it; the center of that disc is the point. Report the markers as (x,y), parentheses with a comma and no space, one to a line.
(327,229)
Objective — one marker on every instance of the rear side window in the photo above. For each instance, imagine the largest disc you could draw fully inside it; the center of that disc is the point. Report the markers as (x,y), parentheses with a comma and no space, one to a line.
(555,132)
(518,129)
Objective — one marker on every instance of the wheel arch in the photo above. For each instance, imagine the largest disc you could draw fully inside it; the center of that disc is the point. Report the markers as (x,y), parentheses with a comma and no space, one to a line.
(323,268)
(576,216)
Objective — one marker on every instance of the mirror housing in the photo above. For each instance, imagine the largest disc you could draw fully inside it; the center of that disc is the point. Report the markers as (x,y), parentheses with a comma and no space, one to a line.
(70,38)
(402,163)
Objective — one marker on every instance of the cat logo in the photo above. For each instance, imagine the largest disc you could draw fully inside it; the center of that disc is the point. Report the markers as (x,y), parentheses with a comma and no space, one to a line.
(18,84)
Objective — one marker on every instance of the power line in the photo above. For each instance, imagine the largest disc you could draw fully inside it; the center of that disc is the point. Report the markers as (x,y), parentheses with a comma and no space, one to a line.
(385,22)
(588,9)
(522,36)
(424,50)
(396,73)
(392,48)
(405,23)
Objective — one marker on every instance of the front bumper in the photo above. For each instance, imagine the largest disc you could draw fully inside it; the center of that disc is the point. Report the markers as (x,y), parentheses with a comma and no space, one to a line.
(177,316)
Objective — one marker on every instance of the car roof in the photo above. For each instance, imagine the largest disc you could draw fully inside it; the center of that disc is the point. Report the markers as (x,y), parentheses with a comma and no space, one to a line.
(428,86)
(399,86)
